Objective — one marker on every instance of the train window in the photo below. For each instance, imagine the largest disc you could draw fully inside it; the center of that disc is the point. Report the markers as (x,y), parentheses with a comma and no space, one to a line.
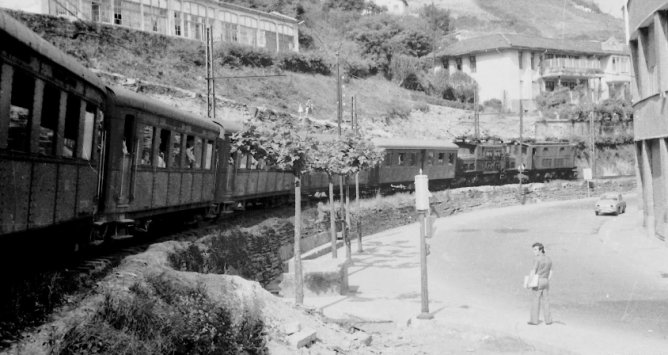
(20,110)
(162,147)
(71,126)
(451,158)
(175,157)
(546,149)
(547,163)
(89,127)
(413,159)
(512,164)
(253,164)
(49,120)
(441,158)
(146,134)
(401,159)
(262,164)
(243,163)
(497,153)
(524,149)
(208,153)
(430,158)
(190,152)
(199,150)
(128,128)
(388,159)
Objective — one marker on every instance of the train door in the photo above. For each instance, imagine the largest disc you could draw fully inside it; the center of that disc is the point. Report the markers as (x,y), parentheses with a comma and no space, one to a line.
(128,152)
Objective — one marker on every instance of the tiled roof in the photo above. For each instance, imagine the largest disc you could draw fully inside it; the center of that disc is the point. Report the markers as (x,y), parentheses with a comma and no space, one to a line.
(507,41)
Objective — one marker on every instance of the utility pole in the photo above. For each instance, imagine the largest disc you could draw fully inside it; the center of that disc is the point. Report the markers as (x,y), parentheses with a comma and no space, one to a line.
(521,163)
(476,114)
(356,127)
(211,81)
(339,98)
(593,144)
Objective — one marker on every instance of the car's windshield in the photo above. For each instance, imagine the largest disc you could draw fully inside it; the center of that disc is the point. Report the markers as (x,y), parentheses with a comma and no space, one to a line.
(610,198)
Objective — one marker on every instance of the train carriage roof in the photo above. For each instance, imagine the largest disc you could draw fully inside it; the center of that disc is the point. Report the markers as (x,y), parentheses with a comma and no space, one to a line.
(131,99)
(409,143)
(24,35)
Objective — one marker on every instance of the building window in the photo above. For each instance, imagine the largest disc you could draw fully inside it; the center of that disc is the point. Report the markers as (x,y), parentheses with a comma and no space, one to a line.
(446,63)
(549,86)
(519,55)
(177,23)
(458,61)
(533,62)
(118,17)
(473,64)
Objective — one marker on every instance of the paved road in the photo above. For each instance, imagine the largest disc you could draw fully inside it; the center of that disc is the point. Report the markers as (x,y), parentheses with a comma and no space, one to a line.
(592,285)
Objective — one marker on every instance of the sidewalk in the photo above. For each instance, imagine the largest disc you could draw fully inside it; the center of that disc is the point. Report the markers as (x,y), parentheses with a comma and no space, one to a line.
(385,286)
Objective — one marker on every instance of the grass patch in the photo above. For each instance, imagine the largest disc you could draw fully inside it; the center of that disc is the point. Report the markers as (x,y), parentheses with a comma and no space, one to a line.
(160,316)
(26,301)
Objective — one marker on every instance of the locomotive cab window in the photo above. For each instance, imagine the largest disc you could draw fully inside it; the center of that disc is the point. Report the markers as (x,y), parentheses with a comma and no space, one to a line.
(49,120)
(546,149)
(72,115)
(20,111)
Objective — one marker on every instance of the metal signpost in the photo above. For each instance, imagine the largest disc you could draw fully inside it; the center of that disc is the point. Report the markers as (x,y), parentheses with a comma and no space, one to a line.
(422,206)
(588,177)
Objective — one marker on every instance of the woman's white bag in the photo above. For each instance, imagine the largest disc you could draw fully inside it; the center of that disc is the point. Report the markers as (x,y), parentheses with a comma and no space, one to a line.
(533,283)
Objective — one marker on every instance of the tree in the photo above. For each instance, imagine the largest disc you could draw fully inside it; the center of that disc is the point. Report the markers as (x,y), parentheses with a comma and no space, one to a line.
(437,19)
(345,156)
(345,5)
(284,145)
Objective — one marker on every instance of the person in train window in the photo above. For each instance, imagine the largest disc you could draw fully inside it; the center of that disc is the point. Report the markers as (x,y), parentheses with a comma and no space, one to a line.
(146,158)
(190,152)
(161,160)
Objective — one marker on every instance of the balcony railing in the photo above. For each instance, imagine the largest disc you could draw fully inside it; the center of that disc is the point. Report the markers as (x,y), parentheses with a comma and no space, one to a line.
(572,63)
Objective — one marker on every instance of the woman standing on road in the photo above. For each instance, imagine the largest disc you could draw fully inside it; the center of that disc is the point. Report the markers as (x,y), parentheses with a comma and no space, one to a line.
(542,266)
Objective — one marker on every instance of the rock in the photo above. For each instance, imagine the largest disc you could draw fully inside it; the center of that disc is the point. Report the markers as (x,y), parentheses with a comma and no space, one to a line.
(302,338)
(362,339)
(292,328)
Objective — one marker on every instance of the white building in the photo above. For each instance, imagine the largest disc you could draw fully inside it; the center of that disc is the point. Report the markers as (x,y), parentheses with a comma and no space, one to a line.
(231,23)
(510,67)
(399,7)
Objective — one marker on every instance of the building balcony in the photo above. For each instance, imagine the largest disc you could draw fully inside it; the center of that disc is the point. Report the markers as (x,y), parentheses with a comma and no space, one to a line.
(570,67)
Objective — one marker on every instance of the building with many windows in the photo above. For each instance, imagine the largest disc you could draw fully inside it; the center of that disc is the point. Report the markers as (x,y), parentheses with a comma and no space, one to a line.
(513,67)
(189,19)
(647,34)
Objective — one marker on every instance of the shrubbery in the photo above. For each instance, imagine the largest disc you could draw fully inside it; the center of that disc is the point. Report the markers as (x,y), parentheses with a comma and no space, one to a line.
(559,102)
(493,104)
(163,317)
(308,62)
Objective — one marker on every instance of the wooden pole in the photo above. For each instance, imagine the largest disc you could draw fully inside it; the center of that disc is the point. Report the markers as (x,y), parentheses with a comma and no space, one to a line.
(359,213)
(344,233)
(521,163)
(423,268)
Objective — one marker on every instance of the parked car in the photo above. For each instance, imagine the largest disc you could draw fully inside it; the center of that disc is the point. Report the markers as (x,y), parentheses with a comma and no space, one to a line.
(611,203)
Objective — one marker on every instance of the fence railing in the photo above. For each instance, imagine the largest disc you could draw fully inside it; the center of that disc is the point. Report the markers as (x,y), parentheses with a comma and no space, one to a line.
(572,63)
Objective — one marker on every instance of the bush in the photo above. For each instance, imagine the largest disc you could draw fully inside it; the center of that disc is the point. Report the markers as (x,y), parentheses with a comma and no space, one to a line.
(235,55)
(309,62)
(398,109)
(163,317)
(493,104)
(421,106)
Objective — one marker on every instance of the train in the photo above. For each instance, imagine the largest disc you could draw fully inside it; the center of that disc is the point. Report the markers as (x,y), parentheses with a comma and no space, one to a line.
(82,162)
